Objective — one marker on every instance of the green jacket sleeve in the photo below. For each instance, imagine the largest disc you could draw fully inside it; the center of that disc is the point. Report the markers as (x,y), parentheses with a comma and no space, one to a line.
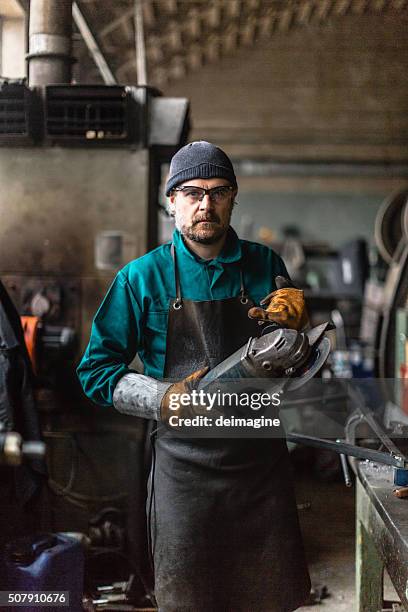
(115,340)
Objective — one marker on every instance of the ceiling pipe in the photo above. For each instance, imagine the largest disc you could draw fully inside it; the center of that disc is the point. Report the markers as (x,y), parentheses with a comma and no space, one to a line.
(50,42)
(140,45)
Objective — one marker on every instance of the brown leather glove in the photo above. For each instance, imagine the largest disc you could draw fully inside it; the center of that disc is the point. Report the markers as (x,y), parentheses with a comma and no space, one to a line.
(170,405)
(285,306)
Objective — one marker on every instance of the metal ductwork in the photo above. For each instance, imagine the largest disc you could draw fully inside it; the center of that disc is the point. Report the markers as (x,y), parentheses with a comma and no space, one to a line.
(50,42)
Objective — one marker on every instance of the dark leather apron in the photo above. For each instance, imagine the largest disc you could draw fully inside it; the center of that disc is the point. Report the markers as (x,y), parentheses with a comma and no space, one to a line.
(224,522)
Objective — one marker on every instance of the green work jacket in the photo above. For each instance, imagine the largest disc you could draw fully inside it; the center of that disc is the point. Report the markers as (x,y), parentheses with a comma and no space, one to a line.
(133,315)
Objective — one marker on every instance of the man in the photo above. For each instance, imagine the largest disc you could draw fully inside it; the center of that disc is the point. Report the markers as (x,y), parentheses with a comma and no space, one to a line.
(223,514)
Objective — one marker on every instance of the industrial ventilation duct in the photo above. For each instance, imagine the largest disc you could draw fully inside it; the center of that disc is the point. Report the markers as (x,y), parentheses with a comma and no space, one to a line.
(52,111)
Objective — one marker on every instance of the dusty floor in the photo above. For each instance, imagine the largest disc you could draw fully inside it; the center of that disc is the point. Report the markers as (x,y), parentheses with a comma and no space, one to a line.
(328,527)
(328,531)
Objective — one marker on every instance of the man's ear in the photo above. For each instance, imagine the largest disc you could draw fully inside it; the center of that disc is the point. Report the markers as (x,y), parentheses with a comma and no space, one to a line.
(172,204)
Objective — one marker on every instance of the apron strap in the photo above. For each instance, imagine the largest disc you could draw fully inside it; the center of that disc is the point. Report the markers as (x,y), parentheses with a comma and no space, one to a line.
(177,304)
(242,293)
(178,301)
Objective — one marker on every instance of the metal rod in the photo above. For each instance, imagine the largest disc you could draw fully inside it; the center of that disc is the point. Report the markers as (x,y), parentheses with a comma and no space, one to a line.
(92,45)
(349,449)
(344,467)
(362,413)
(141,65)
(358,400)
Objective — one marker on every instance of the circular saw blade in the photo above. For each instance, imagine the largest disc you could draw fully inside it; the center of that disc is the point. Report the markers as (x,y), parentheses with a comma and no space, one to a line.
(317,358)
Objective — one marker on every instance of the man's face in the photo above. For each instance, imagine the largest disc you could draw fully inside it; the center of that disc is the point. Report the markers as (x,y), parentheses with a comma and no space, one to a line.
(204,221)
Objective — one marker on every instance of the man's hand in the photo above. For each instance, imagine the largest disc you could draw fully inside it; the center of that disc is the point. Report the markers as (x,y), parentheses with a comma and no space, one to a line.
(171,403)
(285,306)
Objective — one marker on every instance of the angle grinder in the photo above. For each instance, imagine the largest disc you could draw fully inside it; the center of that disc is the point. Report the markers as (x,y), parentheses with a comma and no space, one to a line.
(285,358)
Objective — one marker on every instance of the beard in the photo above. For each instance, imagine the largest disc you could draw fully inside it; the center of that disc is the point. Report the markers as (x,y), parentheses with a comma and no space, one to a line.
(205,228)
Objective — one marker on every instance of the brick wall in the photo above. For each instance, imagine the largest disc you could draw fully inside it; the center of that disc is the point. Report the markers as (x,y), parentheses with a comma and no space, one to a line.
(332,91)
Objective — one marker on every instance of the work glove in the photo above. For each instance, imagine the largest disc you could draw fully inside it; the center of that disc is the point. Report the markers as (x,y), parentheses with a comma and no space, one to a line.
(171,405)
(285,306)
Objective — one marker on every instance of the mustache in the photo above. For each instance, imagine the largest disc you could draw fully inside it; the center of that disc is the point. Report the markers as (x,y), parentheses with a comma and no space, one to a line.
(211,217)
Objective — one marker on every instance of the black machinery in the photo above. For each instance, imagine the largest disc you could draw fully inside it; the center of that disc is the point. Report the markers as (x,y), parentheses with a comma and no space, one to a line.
(80,169)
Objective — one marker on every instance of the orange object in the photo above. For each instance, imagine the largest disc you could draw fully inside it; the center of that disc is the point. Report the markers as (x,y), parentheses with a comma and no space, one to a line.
(30,328)
(403,382)
(401,493)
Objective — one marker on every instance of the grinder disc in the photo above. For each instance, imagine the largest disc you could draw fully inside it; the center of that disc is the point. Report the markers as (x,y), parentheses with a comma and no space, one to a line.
(318,355)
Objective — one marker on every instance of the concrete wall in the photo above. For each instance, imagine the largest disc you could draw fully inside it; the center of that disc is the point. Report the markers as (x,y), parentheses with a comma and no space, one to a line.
(326,209)
(12,47)
(330,218)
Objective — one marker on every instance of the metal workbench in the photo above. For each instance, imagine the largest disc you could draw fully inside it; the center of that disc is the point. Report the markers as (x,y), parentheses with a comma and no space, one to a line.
(381,537)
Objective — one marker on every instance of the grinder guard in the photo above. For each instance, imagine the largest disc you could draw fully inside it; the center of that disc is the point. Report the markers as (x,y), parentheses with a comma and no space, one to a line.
(287,355)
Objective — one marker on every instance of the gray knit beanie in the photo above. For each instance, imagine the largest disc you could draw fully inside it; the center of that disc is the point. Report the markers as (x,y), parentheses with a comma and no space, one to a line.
(199,159)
